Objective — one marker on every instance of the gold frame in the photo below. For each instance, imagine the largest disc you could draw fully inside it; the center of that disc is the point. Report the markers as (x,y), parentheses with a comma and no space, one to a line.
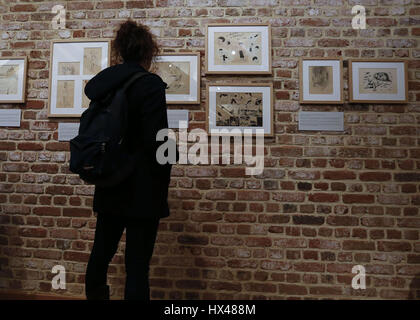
(25,70)
(301,101)
(260,84)
(50,115)
(270,69)
(198,55)
(351,99)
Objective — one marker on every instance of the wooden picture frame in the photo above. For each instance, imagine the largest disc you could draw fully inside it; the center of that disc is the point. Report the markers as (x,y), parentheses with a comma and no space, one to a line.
(13,73)
(267,121)
(189,92)
(69,73)
(328,88)
(261,55)
(387,89)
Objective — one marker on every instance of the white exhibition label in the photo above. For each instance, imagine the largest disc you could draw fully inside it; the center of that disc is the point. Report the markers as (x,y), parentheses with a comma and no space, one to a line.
(10,117)
(175,117)
(321,121)
(67,131)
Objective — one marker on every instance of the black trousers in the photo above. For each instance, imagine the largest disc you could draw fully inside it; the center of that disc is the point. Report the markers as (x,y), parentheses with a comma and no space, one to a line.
(140,240)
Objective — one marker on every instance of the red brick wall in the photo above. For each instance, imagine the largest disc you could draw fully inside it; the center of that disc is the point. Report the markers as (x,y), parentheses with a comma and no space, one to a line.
(325,202)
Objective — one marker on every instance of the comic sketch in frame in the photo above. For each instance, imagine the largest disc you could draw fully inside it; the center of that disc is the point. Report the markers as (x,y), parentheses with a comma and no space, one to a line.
(238,49)
(378,81)
(181,73)
(240,106)
(72,65)
(13,79)
(321,81)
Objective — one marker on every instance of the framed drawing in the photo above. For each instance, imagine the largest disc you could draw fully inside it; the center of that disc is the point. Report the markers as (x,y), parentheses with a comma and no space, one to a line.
(181,72)
(238,49)
(321,81)
(13,79)
(72,65)
(378,81)
(240,106)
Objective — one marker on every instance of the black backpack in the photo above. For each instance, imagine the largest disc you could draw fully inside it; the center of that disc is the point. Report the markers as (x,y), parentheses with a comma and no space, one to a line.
(98,153)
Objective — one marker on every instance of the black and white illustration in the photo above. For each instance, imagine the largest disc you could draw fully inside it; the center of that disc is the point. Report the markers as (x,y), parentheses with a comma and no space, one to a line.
(238,49)
(239,109)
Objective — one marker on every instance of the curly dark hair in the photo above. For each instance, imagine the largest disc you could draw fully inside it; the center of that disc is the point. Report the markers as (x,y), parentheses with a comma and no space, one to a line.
(135,42)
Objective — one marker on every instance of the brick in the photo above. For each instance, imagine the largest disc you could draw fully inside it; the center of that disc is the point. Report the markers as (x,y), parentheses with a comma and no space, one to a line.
(314,22)
(308,220)
(7,145)
(394,246)
(139,4)
(358,198)
(292,289)
(64,234)
(260,287)
(32,146)
(309,267)
(225,286)
(339,175)
(33,232)
(59,190)
(193,240)
(375,176)
(286,151)
(110,5)
(325,290)
(23,8)
(407,176)
(358,245)
(323,197)
(253,195)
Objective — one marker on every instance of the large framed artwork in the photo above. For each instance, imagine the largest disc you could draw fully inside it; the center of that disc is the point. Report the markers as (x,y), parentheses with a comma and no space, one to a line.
(240,106)
(321,81)
(378,81)
(238,49)
(72,65)
(181,72)
(13,79)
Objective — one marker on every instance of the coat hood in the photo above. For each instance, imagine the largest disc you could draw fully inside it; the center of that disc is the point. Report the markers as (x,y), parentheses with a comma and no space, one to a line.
(110,78)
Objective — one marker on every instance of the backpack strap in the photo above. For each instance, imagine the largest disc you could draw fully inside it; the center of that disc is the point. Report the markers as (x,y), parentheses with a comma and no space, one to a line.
(126,85)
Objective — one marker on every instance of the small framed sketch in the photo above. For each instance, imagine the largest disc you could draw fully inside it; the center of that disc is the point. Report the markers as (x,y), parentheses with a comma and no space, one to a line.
(72,65)
(238,49)
(378,81)
(321,81)
(240,106)
(13,79)
(181,72)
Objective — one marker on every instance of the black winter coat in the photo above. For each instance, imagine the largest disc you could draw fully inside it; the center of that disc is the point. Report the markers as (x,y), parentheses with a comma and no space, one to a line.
(144,194)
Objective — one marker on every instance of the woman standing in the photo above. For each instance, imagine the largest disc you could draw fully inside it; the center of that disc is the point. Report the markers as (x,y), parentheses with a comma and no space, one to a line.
(138,203)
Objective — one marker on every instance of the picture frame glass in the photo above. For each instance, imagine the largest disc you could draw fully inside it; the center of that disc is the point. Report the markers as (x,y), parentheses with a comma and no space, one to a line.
(321,81)
(73,64)
(240,107)
(181,74)
(238,49)
(12,80)
(378,81)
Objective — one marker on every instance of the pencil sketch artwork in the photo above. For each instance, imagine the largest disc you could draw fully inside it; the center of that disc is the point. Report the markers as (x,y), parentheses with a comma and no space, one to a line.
(9,79)
(378,80)
(92,58)
(239,109)
(65,94)
(68,68)
(176,75)
(85,99)
(237,48)
(321,80)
